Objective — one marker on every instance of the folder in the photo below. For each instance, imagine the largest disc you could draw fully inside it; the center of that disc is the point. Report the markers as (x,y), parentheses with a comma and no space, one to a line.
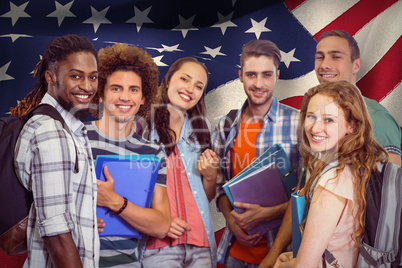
(274,154)
(107,158)
(298,215)
(134,178)
(264,187)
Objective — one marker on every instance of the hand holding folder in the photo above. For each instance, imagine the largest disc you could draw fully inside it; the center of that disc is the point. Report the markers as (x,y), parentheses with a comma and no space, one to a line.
(298,215)
(268,181)
(263,187)
(134,178)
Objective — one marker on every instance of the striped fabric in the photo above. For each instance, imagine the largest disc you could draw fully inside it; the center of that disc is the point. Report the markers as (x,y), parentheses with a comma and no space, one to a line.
(122,251)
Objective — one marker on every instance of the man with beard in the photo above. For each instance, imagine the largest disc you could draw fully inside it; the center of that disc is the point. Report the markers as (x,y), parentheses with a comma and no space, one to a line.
(261,123)
(62,229)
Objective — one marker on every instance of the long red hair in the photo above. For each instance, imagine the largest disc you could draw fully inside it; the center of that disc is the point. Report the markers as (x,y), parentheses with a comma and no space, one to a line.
(358,149)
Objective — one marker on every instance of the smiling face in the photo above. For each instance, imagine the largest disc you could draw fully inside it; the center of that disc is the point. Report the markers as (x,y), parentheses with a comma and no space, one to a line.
(325,123)
(75,83)
(186,86)
(259,76)
(333,60)
(122,96)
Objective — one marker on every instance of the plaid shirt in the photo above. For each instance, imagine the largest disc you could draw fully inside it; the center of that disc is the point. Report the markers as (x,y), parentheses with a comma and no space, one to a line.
(279,127)
(64,201)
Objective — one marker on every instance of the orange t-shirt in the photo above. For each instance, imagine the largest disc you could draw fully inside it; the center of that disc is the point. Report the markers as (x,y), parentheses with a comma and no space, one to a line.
(242,154)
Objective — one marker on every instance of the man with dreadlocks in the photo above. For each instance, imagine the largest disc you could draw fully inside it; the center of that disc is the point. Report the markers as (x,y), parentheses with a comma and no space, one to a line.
(62,229)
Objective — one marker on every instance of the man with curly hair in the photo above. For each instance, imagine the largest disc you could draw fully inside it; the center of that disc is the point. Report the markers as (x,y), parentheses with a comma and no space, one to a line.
(128,80)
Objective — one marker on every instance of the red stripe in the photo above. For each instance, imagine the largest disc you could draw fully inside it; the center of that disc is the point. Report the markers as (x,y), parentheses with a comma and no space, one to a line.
(357,16)
(294,101)
(293,4)
(378,82)
(385,75)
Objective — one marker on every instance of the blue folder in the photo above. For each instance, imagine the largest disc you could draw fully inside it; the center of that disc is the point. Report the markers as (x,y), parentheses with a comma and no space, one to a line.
(298,215)
(135,177)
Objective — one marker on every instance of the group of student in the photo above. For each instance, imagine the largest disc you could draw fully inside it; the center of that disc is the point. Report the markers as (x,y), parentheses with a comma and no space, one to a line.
(119,85)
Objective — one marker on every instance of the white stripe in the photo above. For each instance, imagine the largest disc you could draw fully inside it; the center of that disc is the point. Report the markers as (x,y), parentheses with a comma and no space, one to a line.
(295,87)
(314,15)
(111,148)
(378,36)
(222,99)
(392,103)
(231,95)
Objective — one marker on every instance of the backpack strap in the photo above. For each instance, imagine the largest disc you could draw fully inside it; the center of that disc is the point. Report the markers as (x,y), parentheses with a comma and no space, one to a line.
(386,258)
(49,110)
(230,117)
(333,164)
(330,258)
(401,139)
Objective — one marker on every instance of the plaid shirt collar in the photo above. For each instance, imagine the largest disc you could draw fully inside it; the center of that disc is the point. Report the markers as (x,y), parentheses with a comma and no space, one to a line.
(72,122)
(270,116)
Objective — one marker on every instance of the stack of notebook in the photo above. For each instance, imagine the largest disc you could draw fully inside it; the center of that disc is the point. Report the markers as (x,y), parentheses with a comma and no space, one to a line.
(268,181)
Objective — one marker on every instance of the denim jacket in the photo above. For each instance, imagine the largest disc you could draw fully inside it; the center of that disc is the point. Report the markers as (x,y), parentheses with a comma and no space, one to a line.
(190,153)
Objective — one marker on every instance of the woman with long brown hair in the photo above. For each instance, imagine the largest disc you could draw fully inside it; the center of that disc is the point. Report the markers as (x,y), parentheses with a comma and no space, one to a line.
(178,124)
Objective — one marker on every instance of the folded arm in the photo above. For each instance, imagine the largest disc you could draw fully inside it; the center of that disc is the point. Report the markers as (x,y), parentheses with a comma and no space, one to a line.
(154,221)
(239,233)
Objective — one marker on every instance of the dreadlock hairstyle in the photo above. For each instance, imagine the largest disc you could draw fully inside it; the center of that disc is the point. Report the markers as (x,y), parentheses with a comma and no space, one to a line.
(57,50)
(122,57)
(197,114)
(358,149)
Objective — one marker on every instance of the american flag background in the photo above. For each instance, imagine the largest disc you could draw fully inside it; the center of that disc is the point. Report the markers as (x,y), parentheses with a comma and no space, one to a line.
(213,32)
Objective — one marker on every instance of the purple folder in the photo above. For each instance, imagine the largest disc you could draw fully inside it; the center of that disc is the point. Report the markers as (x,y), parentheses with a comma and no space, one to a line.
(264,187)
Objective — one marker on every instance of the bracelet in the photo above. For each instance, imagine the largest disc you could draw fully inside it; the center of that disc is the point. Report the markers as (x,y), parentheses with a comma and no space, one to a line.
(121,209)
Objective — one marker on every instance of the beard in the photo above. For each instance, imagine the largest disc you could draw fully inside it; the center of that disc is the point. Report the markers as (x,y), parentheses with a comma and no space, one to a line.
(69,106)
(259,101)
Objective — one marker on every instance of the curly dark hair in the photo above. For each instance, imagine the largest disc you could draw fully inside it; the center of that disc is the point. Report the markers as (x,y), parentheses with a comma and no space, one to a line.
(57,50)
(123,57)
